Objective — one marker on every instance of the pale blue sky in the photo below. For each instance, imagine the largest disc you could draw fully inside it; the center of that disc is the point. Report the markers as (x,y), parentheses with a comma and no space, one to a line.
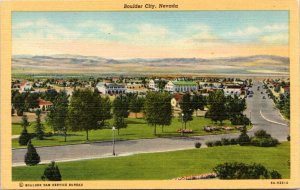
(189,29)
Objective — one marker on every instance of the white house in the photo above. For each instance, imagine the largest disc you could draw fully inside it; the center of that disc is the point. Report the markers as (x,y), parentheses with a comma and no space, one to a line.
(232,90)
(25,86)
(181,86)
(111,88)
(153,84)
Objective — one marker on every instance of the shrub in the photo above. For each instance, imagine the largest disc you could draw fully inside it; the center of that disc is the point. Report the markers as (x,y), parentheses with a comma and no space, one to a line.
(39,128)
(243,139)
(24,137)
(235,170)
(233,141)
(209,144)
(263,139)
(275,174)
(198,144)
(288,138)
(240,119)
(51,173)
(225,141)
(31,157)
(262,134)
(217,143)
(49,134)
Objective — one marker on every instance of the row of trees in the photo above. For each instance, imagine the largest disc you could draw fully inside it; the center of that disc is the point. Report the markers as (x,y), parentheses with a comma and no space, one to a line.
(221,107)
(38,127)
(88,111)
(23,102)
(32,158)
(283,104)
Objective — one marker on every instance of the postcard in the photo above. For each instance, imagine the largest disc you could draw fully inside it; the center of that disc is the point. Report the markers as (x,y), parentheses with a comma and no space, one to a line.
(150,94)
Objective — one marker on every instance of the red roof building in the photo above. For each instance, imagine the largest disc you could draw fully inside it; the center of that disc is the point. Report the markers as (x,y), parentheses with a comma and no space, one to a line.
(44,104)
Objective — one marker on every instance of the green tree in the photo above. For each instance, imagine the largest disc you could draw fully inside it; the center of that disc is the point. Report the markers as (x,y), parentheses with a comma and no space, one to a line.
(24,137)
(234,108)
(136,105)
(105,110)
(158,109)
(187,108)
(119,122)
(51,173)
(120,111)
(166,111)
(121,106)
(50,95)
(235,105)
(286,107)
(217,110)
(57,115)
(31,157)
(244,139)
(24,122)
(31,101)
(19,103)
(84,111)
(39,128)
(198,102)
(161,85)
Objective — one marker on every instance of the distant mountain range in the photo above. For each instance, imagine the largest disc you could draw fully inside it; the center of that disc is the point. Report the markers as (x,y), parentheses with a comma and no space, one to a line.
(256,65)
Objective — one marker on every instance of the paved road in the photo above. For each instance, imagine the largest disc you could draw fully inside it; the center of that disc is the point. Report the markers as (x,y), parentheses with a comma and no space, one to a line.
(256,105)
(264,115)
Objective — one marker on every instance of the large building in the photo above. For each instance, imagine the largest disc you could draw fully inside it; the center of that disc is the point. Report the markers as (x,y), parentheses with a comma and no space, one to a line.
(232,90)
(181,86)
(111,88)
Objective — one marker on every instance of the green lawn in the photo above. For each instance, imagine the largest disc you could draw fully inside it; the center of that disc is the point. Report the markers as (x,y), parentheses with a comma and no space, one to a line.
(17,128)
(166,165)
(137,129)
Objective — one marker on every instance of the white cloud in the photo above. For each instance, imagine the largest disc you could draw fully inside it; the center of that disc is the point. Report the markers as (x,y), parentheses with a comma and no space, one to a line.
(199,33)
(151,30)
(102,27)
(198,28)
(250,30)
(276,27)
(22,25)
(44,29)
(275,39)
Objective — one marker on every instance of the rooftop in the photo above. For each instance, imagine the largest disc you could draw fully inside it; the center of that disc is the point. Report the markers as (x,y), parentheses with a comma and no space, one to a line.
(43,102)
(187,83)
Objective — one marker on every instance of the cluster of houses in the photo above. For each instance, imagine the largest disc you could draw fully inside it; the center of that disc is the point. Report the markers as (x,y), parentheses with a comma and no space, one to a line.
(278,86)
(230,88)
(115,86)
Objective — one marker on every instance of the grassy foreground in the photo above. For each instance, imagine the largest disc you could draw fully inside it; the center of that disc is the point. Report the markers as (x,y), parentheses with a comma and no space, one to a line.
(166,165)
(137,129)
